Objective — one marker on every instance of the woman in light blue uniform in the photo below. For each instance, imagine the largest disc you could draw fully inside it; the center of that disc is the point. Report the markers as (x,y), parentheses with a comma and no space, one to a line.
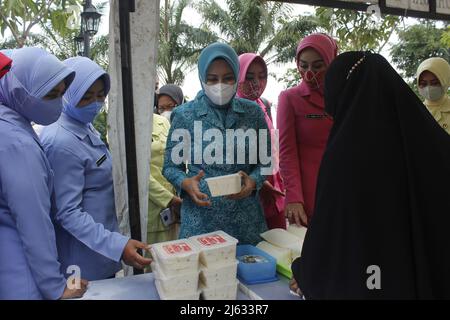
(31,91)
(86,223)
(217,110)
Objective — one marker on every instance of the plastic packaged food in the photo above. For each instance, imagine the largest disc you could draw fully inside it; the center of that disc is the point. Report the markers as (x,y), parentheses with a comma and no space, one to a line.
(186,283)
(179,296)
(176,256)
(224,185)
(216,248)
(282,255)
(220,275)
(297,231)
(284,239)
(255,265)
(225,292)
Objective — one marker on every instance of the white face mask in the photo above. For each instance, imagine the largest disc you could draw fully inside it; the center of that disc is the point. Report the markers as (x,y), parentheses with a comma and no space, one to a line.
(166,114)
(220,93)
(432,93)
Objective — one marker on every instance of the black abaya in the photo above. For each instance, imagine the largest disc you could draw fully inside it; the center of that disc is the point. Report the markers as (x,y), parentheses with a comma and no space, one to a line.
(382,196)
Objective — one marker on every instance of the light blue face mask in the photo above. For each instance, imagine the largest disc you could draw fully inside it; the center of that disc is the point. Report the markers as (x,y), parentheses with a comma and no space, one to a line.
(44,112)
(87,113)
(38,110)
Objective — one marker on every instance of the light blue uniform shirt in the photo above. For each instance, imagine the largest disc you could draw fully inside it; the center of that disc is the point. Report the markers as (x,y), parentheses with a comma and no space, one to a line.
(86,222)
(28,257)
(29,268)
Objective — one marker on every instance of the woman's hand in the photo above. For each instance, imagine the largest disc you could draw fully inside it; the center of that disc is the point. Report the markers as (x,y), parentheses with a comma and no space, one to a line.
(175,207)
(248,186)
(293,285)
(75,292)
(132,258)
(191,186)
(296,214)
(270,188)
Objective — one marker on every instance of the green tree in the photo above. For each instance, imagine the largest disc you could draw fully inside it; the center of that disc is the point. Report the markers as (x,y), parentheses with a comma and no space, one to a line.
(355,30)
(445,39)
(179,43)
(265,27)
(21,16)
(417,43)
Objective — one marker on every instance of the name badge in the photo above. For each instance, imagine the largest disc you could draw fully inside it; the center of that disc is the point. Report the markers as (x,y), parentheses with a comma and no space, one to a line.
(101,160)
(316,116)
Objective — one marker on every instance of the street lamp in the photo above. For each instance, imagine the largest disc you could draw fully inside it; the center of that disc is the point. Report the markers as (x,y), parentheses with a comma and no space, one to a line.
(90,21)
(79,44)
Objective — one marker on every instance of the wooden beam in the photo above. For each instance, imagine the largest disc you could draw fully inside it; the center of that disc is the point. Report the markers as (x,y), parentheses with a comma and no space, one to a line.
(358,6)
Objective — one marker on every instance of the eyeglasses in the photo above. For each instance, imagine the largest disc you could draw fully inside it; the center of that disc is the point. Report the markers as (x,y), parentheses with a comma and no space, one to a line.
(161,109)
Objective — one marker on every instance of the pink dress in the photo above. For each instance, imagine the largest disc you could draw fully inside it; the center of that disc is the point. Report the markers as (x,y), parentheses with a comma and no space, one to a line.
(272,202)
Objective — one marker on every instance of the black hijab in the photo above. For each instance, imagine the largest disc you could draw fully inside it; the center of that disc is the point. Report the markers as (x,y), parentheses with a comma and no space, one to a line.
(382,195)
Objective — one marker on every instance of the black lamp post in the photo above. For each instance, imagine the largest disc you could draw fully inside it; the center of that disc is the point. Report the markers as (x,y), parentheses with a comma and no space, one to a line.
(90,20)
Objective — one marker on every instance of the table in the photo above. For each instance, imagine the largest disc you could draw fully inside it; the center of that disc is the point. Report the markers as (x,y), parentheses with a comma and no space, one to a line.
(142,287)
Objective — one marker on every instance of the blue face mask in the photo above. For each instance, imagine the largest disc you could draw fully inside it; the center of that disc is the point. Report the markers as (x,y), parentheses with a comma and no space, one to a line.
(87,113)
(44,112)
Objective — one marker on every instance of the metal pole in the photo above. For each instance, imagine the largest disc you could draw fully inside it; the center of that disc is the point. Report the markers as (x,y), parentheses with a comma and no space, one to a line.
(87,39)
(87,44)
(125,7)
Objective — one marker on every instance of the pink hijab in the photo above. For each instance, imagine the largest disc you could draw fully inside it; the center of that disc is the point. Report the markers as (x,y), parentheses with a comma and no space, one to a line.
(322,43)
(274,204)
(328,50)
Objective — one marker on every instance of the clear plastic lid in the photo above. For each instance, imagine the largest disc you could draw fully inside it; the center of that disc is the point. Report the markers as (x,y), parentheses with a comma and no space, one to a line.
(213,240)
(176,248)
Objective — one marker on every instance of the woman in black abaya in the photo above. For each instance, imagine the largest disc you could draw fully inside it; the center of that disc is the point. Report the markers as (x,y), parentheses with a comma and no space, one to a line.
(382,215)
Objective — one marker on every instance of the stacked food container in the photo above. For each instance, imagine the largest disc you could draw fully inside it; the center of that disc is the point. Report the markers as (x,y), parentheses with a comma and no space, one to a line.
(218,265)
(176,269)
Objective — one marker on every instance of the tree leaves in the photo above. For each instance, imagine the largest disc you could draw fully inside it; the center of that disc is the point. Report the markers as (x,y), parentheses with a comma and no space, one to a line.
(417,43)
(20,16)
(265,27)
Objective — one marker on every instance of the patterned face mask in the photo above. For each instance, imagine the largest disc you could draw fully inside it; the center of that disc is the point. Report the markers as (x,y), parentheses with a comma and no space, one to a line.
(252,89)
(313,80)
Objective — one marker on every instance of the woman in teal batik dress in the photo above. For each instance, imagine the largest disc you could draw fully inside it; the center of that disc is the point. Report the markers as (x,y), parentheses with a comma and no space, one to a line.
(201,127)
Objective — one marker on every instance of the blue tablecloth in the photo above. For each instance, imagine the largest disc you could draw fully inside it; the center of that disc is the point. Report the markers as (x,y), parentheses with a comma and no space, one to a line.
(142,287)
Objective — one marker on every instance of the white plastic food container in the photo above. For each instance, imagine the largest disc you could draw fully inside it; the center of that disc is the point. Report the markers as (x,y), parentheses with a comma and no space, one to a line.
(225,292)
(219,275)
(178,256)
(224,185)
(297,231)
(216,248)
(186,283)
(179,296)
(282,238)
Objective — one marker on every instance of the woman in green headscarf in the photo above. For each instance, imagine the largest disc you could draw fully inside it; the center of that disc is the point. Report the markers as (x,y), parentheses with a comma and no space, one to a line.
(433,79)
(203,126)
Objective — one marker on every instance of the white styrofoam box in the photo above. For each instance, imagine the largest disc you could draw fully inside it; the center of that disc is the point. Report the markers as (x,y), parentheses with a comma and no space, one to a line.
(284,239)
(172,285)
(178,296)
(176,256)
(225,292)
(219,275)
(282,255)
(297,231)
(216,248)
(224,185)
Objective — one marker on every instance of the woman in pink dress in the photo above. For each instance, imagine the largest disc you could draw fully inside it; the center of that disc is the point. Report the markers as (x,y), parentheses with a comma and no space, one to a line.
(304,127)
(252,82)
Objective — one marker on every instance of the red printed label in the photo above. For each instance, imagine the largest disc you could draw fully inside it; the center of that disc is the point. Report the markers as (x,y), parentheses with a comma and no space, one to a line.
(211,240)
(177,248)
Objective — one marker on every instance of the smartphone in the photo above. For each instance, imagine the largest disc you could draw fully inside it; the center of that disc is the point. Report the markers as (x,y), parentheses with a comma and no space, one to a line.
(167,217)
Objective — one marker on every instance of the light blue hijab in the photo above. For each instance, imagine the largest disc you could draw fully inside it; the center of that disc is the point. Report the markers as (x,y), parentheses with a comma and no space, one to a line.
(212,52)
(34,73)
(87,72)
